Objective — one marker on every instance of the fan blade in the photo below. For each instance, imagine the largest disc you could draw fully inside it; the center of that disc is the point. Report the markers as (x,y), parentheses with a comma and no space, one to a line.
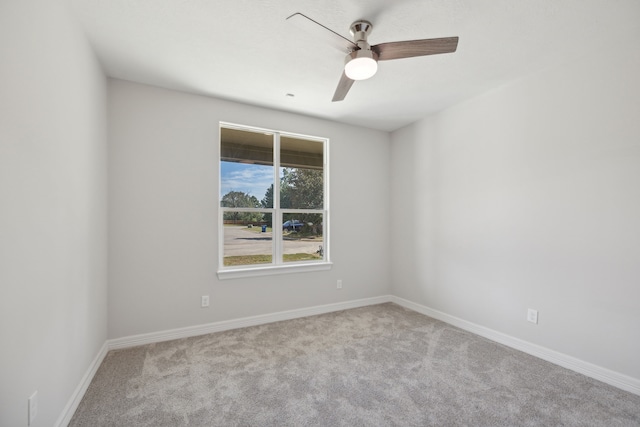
(327,34)
(411,48)
(343,87)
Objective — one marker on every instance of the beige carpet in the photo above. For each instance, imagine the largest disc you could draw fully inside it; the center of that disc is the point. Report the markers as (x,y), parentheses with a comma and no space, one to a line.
(374,366)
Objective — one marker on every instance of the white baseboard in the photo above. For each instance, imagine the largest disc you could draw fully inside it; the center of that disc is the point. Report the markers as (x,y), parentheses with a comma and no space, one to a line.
(79,392)
(608,376)
(599,373)
(613,378)
(191,331)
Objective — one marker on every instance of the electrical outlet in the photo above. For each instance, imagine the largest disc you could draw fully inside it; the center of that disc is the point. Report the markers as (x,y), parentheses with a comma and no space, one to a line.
(339,285)
(205,301)
(32,407)
(532,316)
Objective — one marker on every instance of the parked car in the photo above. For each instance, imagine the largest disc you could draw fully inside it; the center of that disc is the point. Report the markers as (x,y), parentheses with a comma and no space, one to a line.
(293,224)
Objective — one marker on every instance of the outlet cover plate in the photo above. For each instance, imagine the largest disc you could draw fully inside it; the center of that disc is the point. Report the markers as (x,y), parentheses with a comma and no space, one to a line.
(532,316)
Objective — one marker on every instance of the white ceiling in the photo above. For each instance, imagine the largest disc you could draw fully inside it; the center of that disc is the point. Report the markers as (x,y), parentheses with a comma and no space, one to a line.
(245,50)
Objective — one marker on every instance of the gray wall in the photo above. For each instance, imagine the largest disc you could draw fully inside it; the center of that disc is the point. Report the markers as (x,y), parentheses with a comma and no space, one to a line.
(53,292)
(163,193)
(529,197)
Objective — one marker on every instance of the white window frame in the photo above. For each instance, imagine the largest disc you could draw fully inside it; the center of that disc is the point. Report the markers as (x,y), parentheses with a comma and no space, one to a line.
(277,266)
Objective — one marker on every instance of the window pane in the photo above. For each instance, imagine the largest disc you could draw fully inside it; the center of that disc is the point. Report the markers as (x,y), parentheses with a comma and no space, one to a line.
(246,169)
(302,237)
(301,173)
(247,244)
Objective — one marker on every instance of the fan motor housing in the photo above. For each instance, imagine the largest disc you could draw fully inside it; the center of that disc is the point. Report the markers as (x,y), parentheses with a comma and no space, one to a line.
(361,53)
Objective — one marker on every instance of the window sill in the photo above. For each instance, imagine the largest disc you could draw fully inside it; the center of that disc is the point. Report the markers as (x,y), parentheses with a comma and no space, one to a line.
(272,270)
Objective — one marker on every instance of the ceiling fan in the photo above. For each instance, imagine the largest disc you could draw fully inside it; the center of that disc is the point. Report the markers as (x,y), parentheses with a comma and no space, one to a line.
(362,59)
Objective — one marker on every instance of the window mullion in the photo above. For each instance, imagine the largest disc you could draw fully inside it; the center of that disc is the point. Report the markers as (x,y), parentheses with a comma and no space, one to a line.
(276,221)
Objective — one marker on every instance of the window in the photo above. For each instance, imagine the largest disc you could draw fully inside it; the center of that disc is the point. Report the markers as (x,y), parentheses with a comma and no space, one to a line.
(273,202)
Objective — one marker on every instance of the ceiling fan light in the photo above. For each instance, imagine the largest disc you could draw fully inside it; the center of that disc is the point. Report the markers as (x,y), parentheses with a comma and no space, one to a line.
(361,68)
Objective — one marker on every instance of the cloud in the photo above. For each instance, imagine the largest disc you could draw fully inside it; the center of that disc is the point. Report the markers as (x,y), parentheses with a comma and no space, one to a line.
(251,179)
